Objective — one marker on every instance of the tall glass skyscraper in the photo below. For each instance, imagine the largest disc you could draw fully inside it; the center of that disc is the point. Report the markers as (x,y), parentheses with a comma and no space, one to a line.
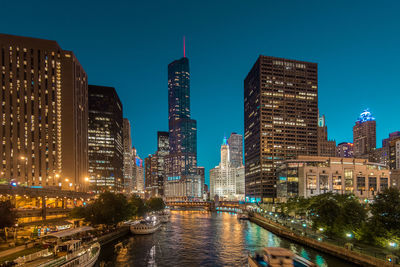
(182,159)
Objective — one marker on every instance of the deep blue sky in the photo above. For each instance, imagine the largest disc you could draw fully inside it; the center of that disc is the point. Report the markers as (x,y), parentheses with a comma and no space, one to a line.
(128,45)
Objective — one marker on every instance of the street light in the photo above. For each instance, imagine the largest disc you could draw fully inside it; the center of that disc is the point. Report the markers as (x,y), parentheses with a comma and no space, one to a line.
(349,235)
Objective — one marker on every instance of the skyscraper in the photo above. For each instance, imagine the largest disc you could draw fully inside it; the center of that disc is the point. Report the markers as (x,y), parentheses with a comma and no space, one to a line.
(235,143)
(364,135)
(326,148)
(106,152)
(226,180)
(182,180)
(280,120)
(128,160)
(44,114)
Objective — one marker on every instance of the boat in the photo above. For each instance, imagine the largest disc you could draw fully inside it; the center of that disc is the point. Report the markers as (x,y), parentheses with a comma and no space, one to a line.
(64,251)
(163,216)
(278,257)
(243,216)
(145,227)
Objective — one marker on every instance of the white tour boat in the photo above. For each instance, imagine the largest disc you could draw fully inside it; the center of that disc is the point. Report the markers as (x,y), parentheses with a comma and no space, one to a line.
(145,227)
(278,257)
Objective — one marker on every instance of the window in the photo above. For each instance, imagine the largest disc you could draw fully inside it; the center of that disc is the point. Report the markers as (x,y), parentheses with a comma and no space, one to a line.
(311,181)
(372,184)
(348,180)
(323,183)
(360,183)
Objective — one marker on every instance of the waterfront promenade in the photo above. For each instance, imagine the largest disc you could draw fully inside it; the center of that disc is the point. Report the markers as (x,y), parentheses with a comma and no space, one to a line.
(340,252)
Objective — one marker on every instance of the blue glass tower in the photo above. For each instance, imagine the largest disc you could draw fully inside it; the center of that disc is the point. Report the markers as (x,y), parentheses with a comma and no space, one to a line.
(182,159)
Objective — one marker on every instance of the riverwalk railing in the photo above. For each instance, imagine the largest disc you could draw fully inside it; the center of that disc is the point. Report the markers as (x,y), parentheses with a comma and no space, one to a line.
(340,252)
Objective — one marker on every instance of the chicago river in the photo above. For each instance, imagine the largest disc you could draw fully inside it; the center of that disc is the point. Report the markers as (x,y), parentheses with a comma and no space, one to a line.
(199,238)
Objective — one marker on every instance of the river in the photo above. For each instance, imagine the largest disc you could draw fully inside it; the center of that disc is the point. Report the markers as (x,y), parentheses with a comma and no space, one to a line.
(199,238)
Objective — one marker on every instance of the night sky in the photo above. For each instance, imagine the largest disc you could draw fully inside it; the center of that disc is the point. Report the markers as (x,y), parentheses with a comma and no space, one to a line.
(129,45)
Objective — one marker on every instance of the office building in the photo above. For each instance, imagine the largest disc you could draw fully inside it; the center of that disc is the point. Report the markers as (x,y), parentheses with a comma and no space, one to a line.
(106,151)
(308,176)
(364,135)
(138,173)
(128,159)
(385,146)
(235,142)
(394,153)
(280,119)
(182,181)
(345,150)
(226,180)
(44,115)
(326,148)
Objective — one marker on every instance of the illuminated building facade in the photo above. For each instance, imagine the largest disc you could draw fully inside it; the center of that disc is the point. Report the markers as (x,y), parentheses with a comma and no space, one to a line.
(394,153)
(386,147)
(326,148)
(280,120)
(44,115)
(308,176)
(106,151)
(226,180)
(182,180)
(235,142)
(364,135)
(128,160)
(345,150)
(138,173)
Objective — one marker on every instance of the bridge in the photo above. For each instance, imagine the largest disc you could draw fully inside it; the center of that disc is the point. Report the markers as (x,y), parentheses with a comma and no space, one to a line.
(230,206)
(34,204)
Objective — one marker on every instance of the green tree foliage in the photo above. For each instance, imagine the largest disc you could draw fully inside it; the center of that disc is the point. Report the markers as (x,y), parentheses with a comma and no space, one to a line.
(384,224)
(137,205)
(337,214)
(155,204)
(108,209)
(8,216)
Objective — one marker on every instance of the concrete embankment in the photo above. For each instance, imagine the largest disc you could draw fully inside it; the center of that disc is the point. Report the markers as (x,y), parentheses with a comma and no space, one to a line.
(343,253)
(109,237)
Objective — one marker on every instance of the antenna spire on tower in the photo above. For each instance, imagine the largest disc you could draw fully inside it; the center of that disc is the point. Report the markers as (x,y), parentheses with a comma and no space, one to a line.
(184,47)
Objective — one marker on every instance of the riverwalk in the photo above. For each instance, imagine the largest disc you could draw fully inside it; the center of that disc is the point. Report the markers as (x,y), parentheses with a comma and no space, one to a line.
(340,252)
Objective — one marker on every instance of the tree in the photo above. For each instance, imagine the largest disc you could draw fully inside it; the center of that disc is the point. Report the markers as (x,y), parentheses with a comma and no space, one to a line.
(337,214)
(109,209)
(155,204)
(137,205)
(384,224)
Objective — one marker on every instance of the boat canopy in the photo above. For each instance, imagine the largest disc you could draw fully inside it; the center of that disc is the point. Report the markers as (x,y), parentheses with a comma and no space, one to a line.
(70,232)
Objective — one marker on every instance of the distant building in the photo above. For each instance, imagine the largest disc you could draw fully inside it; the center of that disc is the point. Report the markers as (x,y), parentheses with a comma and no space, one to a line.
(106,151)
(235,142)
(182,181)
(345,150)
(200,171)
(308,176)
(226,180)
(138,173)
(394,153)
(385,146)
(280,120)
(364,135)
(128,160)
(326,148)
(44,115)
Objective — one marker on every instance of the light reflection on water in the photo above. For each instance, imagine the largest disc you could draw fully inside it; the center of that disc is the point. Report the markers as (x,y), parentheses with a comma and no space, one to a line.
(196,238)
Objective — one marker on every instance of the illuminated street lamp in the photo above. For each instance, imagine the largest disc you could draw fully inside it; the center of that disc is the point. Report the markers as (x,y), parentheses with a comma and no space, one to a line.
(349,235)
(393,244)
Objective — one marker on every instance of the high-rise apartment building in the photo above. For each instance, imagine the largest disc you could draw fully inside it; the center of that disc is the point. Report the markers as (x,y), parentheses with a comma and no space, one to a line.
(235,142)
(280,120)
(345,150)
(44,114)
(385,147)
(182,180)
(106,151)
(326,148)
(364,135)
(226,180)
(394,153)
(128,160)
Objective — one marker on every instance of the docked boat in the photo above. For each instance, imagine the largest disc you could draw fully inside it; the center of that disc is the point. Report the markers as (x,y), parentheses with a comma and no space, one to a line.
(64,251)
(145,227)
(243,216)
(163,216)
(278,257)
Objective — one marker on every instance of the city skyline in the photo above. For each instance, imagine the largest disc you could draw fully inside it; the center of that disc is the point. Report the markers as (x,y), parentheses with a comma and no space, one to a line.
(342,69)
